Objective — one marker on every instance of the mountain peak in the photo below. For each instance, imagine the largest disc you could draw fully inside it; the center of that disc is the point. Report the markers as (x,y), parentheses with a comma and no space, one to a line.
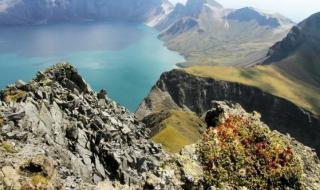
(305,32)
(201,3)
(213,3)
(265,19)
(311,25)
(298,53)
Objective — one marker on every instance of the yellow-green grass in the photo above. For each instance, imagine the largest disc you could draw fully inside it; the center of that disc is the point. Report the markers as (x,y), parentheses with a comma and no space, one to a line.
(7,147)
(1,121)
(181,128)
(14,95)
(268,79)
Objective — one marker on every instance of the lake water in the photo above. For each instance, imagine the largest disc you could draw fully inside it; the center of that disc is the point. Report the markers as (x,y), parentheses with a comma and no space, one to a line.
(125,59)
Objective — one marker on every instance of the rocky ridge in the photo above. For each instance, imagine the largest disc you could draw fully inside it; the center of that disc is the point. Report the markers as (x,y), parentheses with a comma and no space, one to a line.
(55,132)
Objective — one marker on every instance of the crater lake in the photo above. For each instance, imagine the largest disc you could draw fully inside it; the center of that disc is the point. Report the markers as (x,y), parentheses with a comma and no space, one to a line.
(126,59)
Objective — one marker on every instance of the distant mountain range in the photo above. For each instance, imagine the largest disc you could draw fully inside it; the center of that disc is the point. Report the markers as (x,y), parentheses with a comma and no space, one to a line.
(15,12)
(209,34)
(298,54)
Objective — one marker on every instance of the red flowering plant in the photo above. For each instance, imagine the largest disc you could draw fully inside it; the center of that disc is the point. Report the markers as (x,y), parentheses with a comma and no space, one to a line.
(241,152)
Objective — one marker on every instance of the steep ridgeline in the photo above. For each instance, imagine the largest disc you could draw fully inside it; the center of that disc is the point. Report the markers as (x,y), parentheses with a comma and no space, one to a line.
(55,132)
(298,54)
(177,89)
(209,34)
(16,12)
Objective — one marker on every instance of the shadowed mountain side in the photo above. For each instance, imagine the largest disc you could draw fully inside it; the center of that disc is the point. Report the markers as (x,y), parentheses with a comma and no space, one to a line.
(298,54)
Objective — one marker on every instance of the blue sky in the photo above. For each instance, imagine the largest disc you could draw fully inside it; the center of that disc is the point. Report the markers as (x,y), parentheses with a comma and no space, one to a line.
(296,10)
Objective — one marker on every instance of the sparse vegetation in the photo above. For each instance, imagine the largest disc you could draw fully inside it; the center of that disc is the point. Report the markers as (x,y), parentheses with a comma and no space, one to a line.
(40,170)
(1,121)
(8,147)
(14,95)
(267,78)
(39,181)
(181,128)
(242,153)
(46,82)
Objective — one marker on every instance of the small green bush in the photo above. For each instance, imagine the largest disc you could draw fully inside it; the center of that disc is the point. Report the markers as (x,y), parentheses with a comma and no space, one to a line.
(14,95)
(1,121)
(8,147)
(241,153)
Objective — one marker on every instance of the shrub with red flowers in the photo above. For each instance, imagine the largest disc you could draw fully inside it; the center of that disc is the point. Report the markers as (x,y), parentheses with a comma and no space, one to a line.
(241,152)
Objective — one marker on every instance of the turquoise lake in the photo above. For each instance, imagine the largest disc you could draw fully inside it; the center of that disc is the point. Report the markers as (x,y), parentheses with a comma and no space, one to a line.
(125,59)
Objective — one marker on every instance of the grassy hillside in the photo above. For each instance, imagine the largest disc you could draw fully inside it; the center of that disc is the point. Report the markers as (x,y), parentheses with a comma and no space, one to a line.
(181,128)
(268,78)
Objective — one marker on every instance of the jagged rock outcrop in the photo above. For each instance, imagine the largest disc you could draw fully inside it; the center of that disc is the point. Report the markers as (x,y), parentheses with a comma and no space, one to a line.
(177,89)
(55,132)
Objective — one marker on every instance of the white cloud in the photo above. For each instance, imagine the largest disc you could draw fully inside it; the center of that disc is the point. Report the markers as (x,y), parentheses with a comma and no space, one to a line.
(296,10)
(5,4)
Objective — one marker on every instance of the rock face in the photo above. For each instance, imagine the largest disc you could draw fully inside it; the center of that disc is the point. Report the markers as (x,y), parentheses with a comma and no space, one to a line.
(16,12)
(177,89)
(59,130)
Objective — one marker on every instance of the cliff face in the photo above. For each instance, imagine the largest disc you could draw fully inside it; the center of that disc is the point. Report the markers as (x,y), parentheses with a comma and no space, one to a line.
(177,89)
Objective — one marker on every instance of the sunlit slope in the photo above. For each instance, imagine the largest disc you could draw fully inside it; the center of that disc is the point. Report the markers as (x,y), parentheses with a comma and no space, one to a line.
(181,128)
(269,79)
